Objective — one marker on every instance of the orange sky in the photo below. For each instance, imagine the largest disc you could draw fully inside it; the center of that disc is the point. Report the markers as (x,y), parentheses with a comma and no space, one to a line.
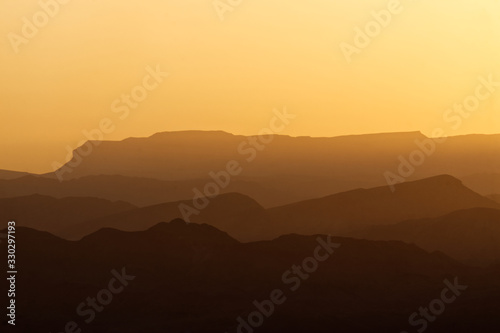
(230,74)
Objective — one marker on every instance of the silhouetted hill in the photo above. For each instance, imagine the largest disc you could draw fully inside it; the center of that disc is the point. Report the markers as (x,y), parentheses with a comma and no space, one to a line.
(322,165)
(471,235)
(486,183)
(194,278)
(232,212)
(344,212)
(286,170)
(138,191)
(193,154)
(494,197)
(7,174)
(337,214)
(55,215)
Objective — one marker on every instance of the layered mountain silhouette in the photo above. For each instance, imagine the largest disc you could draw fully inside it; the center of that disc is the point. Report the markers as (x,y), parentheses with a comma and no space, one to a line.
(6,174)
(344,212)
(246,220)
(391,251)
(486,183)
(168,166)
(138,191)
(313,166)
(180,277)
(495,197)
(471,235)
(56,215)
(234,213)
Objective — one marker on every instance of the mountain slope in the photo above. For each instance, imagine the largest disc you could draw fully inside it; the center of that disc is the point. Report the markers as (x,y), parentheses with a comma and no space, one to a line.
(54,215)
(486,183)
(193,154)
(471,235)
(356,209)
(194,278)
(327,165)
(495,197)
(138,191)
(337,214)
(232,212)
(285,170)
(7,174)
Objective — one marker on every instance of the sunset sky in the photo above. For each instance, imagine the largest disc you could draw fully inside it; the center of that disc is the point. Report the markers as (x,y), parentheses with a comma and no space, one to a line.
(229,75)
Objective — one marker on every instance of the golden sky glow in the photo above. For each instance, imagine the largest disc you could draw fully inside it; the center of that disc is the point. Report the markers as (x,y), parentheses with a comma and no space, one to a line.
(229,75)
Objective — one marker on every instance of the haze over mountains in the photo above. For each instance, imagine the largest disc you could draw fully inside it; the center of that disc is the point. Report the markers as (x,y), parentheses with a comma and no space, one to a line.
(138,191)
(168,166)
(356,209)
(349,213)
(6,174)
(495,197)
(484,183)
(311,166)
(398,244)
(56,215)
(229,166)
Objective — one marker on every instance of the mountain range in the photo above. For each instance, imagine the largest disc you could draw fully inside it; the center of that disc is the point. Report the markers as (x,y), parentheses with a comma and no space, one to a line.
(180,277)
(304,166)
(356,213)
(312,220)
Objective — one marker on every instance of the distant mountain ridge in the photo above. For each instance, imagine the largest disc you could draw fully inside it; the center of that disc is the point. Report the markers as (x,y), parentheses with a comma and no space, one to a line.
(171,154)
(55,215)
(326,165)
(286,170)
(338,214)
(7,174)
(138,191)
(344,212)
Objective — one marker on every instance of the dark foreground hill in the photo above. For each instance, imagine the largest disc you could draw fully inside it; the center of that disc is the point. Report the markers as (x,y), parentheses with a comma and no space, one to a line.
(178,277)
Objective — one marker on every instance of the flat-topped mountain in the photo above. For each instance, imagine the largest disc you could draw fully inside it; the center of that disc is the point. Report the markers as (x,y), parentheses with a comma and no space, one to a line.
(317,166)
